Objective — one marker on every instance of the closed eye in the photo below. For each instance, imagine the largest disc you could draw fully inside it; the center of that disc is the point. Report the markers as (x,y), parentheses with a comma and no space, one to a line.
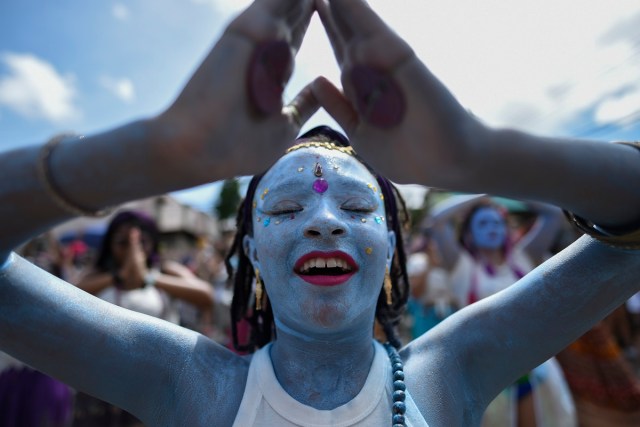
(358,205)
(284,209)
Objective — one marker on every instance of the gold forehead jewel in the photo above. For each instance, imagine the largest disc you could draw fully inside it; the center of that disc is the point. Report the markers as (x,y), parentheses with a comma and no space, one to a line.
(327,145)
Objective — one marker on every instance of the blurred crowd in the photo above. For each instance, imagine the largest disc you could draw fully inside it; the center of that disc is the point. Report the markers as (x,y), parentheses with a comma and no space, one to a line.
(463,248)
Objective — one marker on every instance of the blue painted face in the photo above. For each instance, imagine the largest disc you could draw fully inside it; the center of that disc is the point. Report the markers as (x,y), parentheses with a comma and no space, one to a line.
(320,241)
(488,229)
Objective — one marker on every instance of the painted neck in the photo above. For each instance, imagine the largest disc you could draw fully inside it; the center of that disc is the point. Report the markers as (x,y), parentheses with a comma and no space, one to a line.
(322,372)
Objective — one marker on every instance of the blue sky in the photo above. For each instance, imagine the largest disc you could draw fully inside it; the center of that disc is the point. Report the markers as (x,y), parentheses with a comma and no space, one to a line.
(570,68)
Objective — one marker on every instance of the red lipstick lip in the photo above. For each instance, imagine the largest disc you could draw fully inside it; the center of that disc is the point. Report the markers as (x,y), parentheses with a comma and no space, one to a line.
(326,280)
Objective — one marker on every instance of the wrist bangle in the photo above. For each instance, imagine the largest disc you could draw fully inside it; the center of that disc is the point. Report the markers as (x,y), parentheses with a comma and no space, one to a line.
(627,238)
(53,190)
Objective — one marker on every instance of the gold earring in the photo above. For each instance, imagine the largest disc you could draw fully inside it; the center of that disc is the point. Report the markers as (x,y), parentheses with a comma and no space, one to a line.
(258,291)
(387,285)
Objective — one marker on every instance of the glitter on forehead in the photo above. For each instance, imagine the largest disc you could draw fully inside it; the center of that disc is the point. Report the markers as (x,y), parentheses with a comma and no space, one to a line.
(373,188)
(320,185)
(264,193)
(369,251)
(317,170)
(301,168)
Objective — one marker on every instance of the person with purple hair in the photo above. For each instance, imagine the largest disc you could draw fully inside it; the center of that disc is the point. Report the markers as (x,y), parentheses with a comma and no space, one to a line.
(319,237)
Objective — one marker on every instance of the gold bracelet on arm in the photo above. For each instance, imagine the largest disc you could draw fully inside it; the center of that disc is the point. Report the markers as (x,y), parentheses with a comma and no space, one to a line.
(626,239)
(46,179)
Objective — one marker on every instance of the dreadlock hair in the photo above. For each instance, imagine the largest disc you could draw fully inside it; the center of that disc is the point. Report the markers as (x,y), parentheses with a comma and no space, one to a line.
(261,322)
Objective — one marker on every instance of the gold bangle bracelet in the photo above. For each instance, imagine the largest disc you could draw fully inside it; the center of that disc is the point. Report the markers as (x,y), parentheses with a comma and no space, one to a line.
(55,194)
(624,239)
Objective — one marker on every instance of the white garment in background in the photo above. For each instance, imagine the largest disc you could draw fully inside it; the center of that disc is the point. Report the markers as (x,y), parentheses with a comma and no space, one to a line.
(468,269)
(148,300)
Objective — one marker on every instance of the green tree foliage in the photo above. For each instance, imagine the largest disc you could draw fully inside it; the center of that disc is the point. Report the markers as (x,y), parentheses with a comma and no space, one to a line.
(229,200)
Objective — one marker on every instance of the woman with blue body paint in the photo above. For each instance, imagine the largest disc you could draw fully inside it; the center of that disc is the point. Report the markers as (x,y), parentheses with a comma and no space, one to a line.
(322,367)
(482,259)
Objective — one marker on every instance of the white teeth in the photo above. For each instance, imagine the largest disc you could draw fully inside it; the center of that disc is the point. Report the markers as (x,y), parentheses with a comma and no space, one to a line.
(324,263)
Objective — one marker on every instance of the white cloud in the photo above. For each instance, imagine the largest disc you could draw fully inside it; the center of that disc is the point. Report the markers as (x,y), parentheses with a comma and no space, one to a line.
(121,12)
(619,109)
(34,89)
(122,88)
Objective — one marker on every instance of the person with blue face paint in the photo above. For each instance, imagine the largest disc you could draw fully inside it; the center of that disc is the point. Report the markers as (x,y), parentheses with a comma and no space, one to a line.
(483,259)
(479,252)
(321,242)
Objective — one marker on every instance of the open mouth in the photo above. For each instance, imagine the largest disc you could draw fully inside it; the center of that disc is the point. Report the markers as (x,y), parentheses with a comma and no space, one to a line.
(325,268)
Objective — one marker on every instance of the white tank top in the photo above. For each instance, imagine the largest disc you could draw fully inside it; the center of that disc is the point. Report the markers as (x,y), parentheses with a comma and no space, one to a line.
(266,403)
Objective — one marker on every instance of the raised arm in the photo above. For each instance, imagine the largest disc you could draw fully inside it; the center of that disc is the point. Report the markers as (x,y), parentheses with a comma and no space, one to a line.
(408,125)
(440,224)
(537,242)
(227,121)
(488,345)
(222,124)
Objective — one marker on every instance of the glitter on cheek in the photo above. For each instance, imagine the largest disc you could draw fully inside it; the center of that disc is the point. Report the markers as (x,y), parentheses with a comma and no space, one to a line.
(320,185)
(378,219)
(363,219)
(369,251)
(300,169)
(266,222)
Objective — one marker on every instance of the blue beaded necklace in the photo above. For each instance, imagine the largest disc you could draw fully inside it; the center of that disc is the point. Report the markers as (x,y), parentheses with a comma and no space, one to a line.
(399,408)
